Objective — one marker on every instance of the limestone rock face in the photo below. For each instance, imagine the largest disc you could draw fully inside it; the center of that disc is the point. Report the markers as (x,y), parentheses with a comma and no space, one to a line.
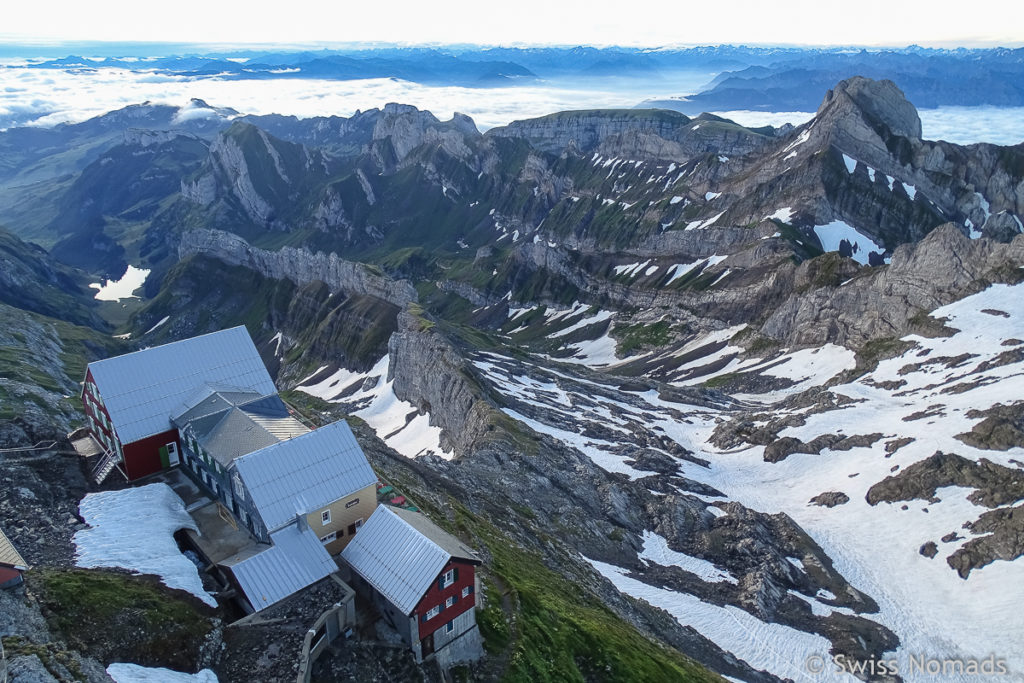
(942,268)
(298,265)
(881,100)
(407,128)
(632,134)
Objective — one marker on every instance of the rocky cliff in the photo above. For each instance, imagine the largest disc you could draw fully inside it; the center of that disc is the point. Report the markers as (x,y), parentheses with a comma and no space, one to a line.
(298,265)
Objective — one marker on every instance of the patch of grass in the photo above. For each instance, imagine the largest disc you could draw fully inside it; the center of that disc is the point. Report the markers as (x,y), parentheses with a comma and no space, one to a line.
(565,631)
(879,349)
(94,610)
(494,627)
(638,336)
(720,380)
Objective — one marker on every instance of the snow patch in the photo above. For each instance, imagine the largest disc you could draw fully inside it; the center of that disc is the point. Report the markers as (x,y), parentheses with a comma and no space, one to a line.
(124,288)
(133,673)
(831,234)
(134,529)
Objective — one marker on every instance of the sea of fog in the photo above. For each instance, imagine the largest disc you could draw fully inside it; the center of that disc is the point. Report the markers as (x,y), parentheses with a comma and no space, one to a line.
(50,96)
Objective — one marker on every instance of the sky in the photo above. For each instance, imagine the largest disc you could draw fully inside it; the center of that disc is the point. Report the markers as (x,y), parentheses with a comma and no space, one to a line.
(942,23)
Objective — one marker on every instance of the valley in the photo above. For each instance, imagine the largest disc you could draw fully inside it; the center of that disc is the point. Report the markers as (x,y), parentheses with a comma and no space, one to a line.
(710,400)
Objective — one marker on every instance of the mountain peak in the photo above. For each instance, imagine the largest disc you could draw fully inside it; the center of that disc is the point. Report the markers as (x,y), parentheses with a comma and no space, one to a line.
(881,101)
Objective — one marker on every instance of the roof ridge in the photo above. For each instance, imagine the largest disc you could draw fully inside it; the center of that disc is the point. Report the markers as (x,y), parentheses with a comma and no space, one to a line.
(172,343)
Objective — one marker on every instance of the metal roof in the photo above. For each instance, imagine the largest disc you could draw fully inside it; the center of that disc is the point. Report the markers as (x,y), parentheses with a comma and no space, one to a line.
(398,559)
(210,399)
(305,473)
(296,559)
(239,430)
(9,556)
(141,390)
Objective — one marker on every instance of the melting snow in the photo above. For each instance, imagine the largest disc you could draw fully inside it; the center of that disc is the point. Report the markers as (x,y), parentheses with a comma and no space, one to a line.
(161,322)
(833,233)
(656,550)
(784,214)
(115,290)
(778,649)
(708,196)
(397,422)
(700,225)
(911,190)
(804,136)
(134,529)
(675,200)
(851,163)
(133,673)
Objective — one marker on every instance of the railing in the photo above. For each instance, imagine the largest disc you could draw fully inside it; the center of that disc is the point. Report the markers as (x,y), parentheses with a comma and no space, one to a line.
(106,464)
(39,447)
(331,624)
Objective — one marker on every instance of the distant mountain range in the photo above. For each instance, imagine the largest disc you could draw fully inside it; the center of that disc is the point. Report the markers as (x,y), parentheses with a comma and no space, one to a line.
(770,79)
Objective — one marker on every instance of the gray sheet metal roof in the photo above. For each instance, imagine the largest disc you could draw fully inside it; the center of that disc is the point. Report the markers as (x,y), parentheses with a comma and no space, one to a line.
(400,561)
(238,431)
(9,556)
(296,559)
(210,399)
(142,389)
(305,473)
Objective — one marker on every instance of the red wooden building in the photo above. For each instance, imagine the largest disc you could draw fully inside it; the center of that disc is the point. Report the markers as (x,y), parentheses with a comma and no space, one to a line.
(12,564)
(422,579)
(129,399)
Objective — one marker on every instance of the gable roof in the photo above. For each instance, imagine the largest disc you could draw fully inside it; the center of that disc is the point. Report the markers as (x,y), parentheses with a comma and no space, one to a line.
(296,559)
(400,553)
(305,473)
(9,556)
(141,390)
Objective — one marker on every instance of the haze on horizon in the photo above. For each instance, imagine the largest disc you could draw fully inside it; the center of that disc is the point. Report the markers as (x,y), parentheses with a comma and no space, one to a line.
(646,23)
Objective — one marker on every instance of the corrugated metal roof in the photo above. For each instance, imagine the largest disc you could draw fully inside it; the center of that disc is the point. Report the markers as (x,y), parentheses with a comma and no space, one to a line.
(450,544)
(142,389)
(296,559)
(397,558)
(305,473)
(9,556)
(210,399)
(239,430)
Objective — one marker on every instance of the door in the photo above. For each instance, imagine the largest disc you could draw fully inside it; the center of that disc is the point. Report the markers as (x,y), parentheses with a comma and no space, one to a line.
(172,454)
(427,646)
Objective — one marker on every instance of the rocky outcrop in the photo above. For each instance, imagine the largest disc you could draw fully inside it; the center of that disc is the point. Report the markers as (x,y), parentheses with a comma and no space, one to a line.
(433,376)
(648,134)
(298,265)
(942,268)
(406,128)
(993,484)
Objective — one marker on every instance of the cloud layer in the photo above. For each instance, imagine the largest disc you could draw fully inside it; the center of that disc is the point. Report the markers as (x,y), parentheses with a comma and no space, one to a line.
(48,97)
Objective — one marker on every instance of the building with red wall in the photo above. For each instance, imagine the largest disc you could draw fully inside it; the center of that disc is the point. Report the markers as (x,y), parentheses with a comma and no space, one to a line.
(12,564)
(422,580)
(129,399)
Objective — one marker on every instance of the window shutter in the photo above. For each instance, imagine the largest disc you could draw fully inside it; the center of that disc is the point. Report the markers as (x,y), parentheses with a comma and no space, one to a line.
(440,582)
(456,570)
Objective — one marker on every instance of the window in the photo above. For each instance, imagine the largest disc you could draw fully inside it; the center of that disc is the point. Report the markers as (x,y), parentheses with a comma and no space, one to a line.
(354,525)
(450,626)
(239,489)
(466,591)
(359,522)
(450,601)
(433,612)
(328,538)
(448,578)
(352,503)
(325,517)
